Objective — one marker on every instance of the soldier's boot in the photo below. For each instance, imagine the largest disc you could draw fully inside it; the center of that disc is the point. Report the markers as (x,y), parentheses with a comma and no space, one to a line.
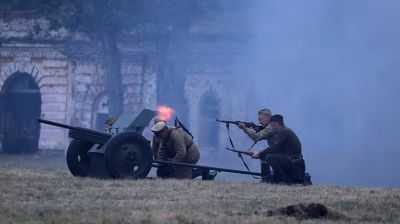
(209,175)
(196,172)
(205,174)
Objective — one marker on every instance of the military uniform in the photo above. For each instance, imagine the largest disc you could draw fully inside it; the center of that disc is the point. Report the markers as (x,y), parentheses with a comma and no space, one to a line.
(285,141)
(286,147)
(267,134)
(178,146)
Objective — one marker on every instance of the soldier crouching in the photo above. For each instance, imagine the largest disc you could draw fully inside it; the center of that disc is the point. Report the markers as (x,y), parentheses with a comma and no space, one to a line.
(176,146)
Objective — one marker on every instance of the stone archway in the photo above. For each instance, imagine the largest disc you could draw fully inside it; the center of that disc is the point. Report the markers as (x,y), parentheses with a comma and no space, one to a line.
(100,112)
(20,107)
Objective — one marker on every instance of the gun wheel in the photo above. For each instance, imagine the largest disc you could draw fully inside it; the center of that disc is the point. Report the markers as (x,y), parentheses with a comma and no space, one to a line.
(128,155)
(78,160)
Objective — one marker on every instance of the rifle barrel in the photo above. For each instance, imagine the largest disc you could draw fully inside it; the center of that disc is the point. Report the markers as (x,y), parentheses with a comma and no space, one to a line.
(226,121)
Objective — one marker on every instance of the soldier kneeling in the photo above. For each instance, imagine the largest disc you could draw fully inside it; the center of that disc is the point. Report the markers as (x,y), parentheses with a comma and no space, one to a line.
(176,146)
(284,155)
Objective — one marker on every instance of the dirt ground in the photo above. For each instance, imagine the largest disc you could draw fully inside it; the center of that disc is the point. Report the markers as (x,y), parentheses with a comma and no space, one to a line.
(38,188)
(45,159)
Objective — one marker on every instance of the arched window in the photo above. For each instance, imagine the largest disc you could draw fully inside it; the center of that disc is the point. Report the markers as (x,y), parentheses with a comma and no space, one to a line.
(100,112)
(209,111)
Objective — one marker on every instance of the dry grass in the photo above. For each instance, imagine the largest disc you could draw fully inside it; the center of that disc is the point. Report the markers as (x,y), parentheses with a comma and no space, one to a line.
(39,195)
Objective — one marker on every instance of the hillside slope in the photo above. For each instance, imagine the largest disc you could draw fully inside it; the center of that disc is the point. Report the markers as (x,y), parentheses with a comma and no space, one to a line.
(38,195)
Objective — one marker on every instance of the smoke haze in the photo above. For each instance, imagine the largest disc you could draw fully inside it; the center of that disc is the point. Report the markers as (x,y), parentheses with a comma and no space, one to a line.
(331,68)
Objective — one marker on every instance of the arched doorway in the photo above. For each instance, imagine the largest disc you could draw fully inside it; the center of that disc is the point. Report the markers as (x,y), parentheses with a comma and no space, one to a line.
(20,104)
(100,112)
(209,111)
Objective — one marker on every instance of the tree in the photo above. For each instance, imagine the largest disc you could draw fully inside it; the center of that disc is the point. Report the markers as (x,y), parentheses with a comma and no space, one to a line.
(102,20)
(167,23)
(170,23)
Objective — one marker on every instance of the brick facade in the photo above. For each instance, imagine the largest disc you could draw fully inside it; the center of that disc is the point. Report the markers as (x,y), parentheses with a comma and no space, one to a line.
(70,75)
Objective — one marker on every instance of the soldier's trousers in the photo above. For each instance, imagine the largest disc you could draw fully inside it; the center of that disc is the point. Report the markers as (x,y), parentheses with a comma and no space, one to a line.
(280,164)
(185,172)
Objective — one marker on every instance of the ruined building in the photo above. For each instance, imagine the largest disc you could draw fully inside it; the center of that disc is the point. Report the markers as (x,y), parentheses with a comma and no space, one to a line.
(59,76)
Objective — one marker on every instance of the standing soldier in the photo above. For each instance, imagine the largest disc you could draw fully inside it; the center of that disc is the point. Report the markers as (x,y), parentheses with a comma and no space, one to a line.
(266,133)
(109,123)
(177,146)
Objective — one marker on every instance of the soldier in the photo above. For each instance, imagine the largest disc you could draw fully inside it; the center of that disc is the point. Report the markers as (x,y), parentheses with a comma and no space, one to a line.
(285,148)
(176,146)
(109,123)
(266,133)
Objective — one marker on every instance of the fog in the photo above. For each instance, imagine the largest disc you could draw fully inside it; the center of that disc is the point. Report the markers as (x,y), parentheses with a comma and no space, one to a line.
(331,68)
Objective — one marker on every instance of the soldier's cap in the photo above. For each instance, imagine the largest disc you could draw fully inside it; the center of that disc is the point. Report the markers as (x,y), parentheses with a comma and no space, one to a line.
(265,111)
(159,127)
(277,118)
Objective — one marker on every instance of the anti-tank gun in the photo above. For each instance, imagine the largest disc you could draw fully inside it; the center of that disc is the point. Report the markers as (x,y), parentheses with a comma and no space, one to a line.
(121,153)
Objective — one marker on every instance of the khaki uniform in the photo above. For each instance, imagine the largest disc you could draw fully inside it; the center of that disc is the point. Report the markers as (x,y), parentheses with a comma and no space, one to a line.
(266,133)
(178,146)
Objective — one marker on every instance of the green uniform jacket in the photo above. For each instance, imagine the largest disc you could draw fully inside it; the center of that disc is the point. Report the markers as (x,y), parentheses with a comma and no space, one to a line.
(287,142)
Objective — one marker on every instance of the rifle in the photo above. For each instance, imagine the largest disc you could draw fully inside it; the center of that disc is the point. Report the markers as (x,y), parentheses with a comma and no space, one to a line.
(247,124)
(178,124)
(243,152)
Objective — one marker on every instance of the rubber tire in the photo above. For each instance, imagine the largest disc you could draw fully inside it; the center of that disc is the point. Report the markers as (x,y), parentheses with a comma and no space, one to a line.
(78,161)
(115,158)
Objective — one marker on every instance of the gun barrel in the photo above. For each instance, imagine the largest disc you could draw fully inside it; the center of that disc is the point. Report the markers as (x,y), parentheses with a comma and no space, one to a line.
(226,121)
(53,123)
(80,129)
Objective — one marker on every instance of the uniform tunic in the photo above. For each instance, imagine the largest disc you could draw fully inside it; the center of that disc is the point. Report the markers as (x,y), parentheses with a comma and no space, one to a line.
(178,146)
(265,133)
(285,141)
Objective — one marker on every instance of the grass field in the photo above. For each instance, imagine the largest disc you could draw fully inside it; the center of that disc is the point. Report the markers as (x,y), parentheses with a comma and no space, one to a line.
(32,192)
